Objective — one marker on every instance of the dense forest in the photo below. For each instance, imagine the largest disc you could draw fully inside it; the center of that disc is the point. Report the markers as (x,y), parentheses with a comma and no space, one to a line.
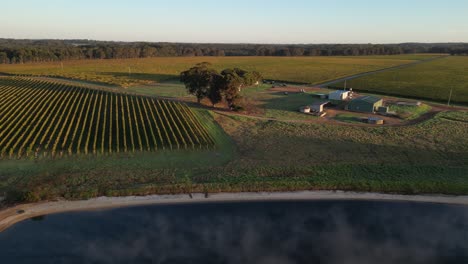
(25,51)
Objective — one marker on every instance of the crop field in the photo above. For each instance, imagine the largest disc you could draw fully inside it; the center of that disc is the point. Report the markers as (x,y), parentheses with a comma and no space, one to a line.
(129,72)
(428,157)
(432,80)
(47,118)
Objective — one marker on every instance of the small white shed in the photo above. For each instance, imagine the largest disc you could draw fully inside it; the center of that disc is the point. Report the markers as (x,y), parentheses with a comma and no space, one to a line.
(305,109)
(338,95)
(317,107)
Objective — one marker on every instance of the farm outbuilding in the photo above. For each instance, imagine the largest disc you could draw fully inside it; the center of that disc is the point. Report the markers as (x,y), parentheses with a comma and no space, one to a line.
(375,120)
(318,106)
(305,109)
(338,95)
(409,103)
(367,104)
(383,109)
(321,95)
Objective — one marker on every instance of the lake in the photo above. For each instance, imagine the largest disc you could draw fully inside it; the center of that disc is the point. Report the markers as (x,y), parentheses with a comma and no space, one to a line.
(255,232)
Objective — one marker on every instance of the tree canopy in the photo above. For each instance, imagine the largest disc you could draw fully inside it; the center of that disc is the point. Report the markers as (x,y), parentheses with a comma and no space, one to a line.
(205,82)
(25,51)
(198,79)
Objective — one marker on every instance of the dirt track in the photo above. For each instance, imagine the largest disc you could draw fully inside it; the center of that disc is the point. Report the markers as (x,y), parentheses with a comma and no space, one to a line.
(13,215)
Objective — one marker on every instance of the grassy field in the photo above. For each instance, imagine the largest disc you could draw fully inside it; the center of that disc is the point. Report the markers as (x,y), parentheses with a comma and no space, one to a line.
(429,157)
(39,118)
(432,81)
(129,72)
(277,105)
(439,141)
(410,112)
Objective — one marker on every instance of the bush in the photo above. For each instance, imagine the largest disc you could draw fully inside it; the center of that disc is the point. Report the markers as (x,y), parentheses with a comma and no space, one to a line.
(16,196)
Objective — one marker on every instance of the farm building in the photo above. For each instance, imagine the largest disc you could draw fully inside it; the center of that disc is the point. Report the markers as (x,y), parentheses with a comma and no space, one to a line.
(321,95)
(338,95)
(375,120)
(305,109)
(409,103)
(368,104)
(318,106)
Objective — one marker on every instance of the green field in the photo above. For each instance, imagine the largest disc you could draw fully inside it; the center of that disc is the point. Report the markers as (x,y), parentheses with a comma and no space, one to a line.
(139,145)
(429,157)
(432,81)
(40,118)
(129,72)
(410,112)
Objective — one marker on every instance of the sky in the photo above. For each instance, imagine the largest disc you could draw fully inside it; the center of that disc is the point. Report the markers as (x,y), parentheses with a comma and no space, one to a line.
(238,21)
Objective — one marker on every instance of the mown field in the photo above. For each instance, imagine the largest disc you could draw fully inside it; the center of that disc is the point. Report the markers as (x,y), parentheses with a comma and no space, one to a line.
(128,72)
(43,118)
(432,80)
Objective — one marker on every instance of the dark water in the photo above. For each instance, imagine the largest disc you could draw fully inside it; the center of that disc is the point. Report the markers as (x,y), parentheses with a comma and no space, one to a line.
(261,232)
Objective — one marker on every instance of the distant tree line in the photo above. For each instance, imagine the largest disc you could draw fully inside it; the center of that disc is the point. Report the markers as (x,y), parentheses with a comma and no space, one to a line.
(26,51)
(205,82)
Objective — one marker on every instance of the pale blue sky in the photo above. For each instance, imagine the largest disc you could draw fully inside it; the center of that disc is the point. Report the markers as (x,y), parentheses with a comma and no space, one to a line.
(238,21)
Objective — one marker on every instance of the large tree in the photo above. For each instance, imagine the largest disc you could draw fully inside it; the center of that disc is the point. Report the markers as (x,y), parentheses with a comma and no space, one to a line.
(198,80)
(203,81)
(232,85)
(217,87)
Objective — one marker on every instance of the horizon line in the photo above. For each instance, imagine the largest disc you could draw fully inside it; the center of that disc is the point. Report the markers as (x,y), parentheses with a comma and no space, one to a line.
(232,43)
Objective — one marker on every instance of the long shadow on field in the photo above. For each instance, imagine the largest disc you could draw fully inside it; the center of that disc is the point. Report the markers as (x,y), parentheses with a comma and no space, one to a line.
(291,102)
(141,76)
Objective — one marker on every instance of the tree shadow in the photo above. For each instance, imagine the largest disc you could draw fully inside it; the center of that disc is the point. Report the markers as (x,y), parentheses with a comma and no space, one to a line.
(351,118)
(142,76)
(288,102)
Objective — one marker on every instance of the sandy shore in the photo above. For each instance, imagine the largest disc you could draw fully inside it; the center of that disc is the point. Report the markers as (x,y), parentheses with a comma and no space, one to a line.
(10,216)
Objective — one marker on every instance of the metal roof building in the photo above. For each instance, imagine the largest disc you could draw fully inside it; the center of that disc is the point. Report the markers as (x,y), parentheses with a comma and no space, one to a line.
(338,95)
(318,106)
(367,104)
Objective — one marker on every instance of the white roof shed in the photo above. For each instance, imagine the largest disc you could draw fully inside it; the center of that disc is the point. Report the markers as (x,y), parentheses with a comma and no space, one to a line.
(338,95)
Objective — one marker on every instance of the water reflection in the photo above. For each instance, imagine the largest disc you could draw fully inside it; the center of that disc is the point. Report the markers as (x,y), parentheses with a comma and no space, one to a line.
(273,232)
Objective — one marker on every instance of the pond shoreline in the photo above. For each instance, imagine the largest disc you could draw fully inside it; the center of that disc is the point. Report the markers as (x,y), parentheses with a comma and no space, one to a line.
(12,215)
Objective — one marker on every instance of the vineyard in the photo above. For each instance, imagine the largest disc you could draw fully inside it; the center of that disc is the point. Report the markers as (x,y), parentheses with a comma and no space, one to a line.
(45,118)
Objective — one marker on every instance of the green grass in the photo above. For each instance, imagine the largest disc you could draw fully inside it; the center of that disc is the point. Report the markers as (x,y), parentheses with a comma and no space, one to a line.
(143,71)
(410,112)
(277,105)
(434,142)
(431,81)
(286,107)
(429,157)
